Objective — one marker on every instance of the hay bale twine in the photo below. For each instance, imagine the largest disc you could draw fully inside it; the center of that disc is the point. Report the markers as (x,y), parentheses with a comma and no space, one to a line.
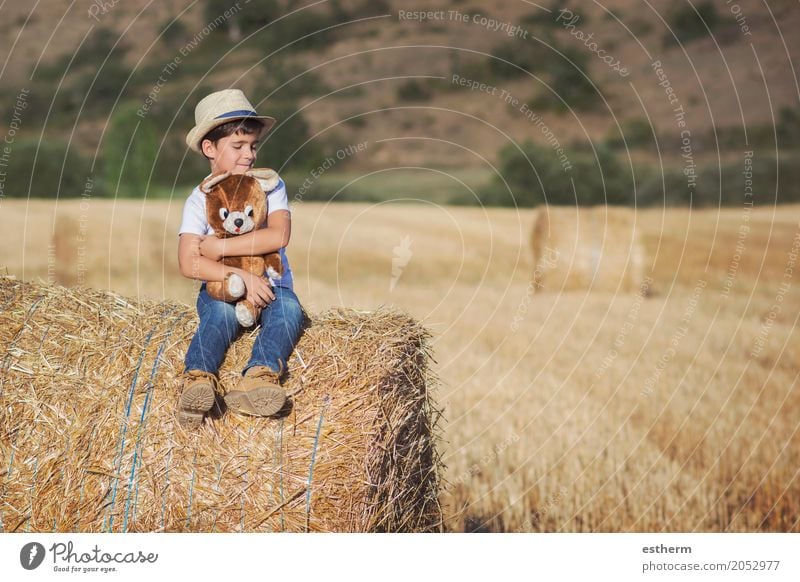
(90,442)
(586,248)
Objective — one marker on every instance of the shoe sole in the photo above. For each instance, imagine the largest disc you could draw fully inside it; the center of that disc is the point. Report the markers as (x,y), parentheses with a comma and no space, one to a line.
(195,402)
(257,402)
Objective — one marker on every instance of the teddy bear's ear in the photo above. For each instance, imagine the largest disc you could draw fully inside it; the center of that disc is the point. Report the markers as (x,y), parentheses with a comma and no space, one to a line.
(267,178)
(208,184)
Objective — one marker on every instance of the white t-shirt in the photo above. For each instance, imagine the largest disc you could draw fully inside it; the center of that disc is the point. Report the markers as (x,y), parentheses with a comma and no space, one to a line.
(195,221)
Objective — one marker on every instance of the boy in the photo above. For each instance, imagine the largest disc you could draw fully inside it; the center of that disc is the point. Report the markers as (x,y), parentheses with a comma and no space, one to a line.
(226,132)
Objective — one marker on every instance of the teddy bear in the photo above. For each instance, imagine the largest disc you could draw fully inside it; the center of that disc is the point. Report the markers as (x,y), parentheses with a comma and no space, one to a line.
(237,204)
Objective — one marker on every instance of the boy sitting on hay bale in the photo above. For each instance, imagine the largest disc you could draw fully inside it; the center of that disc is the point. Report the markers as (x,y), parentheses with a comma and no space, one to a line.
(226,132)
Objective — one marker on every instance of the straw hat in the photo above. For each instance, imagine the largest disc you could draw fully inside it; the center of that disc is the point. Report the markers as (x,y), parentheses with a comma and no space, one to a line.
(221,107)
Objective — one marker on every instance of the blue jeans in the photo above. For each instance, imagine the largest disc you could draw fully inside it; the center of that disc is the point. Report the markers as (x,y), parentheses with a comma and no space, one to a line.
(281,324)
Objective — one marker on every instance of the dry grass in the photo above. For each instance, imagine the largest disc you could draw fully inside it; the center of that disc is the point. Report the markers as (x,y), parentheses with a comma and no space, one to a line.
(564,412)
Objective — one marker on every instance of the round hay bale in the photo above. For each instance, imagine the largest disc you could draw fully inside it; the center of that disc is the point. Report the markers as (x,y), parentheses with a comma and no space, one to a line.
(90,442)
(586,248)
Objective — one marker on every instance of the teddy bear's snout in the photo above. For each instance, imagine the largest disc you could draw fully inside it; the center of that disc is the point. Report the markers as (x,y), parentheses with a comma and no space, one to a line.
(238,223)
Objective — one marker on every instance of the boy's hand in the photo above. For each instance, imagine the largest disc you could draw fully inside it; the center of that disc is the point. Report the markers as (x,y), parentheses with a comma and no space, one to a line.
(259,289)
(212,247)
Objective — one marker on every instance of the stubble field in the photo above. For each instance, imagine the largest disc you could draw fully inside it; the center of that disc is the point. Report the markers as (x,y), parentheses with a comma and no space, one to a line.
(563,411)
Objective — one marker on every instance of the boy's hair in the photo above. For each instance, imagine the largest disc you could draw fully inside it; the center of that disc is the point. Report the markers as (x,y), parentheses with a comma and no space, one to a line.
(246,126)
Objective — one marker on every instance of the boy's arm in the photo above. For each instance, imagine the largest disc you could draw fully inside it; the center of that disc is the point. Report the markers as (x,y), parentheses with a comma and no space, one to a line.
(259,242)
(194,265)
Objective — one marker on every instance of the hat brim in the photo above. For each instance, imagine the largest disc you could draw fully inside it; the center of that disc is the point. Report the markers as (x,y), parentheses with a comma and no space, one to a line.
(196,134)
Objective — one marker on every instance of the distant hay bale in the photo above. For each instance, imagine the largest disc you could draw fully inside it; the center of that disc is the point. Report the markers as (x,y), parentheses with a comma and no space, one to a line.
(62,254)
(588,248)
(90,442)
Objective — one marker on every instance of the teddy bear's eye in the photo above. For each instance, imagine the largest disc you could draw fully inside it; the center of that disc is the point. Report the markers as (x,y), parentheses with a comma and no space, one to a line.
(249,211)
(223,213)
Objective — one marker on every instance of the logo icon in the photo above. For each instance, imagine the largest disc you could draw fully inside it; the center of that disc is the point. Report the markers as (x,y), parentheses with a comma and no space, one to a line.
(31,556)
(402,256)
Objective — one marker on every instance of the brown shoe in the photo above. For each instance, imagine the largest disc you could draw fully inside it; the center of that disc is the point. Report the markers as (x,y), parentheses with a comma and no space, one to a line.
(259,393)
(197,397)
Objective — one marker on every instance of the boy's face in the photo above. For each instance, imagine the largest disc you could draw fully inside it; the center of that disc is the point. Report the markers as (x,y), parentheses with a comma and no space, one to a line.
(235,153)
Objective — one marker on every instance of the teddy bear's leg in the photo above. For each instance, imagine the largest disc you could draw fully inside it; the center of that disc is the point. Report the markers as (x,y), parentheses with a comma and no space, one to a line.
(273,266)
(231,289)
(247,313)
(215,290)
(234,285)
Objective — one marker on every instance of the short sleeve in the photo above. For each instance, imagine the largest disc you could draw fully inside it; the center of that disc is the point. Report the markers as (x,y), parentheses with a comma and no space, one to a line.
(277,198)
(194,216)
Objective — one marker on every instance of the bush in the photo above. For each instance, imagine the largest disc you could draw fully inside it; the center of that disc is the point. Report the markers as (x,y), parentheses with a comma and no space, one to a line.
(576,90)
(102,88)
(636,133)
(369,8)
(99,45)
(307,23)
(789,128)
(129,153)
(173,33)
(547,19)
(414,90)
(663,188)
(357,121)
(176,165)
(50,169)
(567,75)
(88,90)
(726,187)
(654,186)
(284,81)
(256,16)
(600,180)
(688,25)
(530,56)
(288,143)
